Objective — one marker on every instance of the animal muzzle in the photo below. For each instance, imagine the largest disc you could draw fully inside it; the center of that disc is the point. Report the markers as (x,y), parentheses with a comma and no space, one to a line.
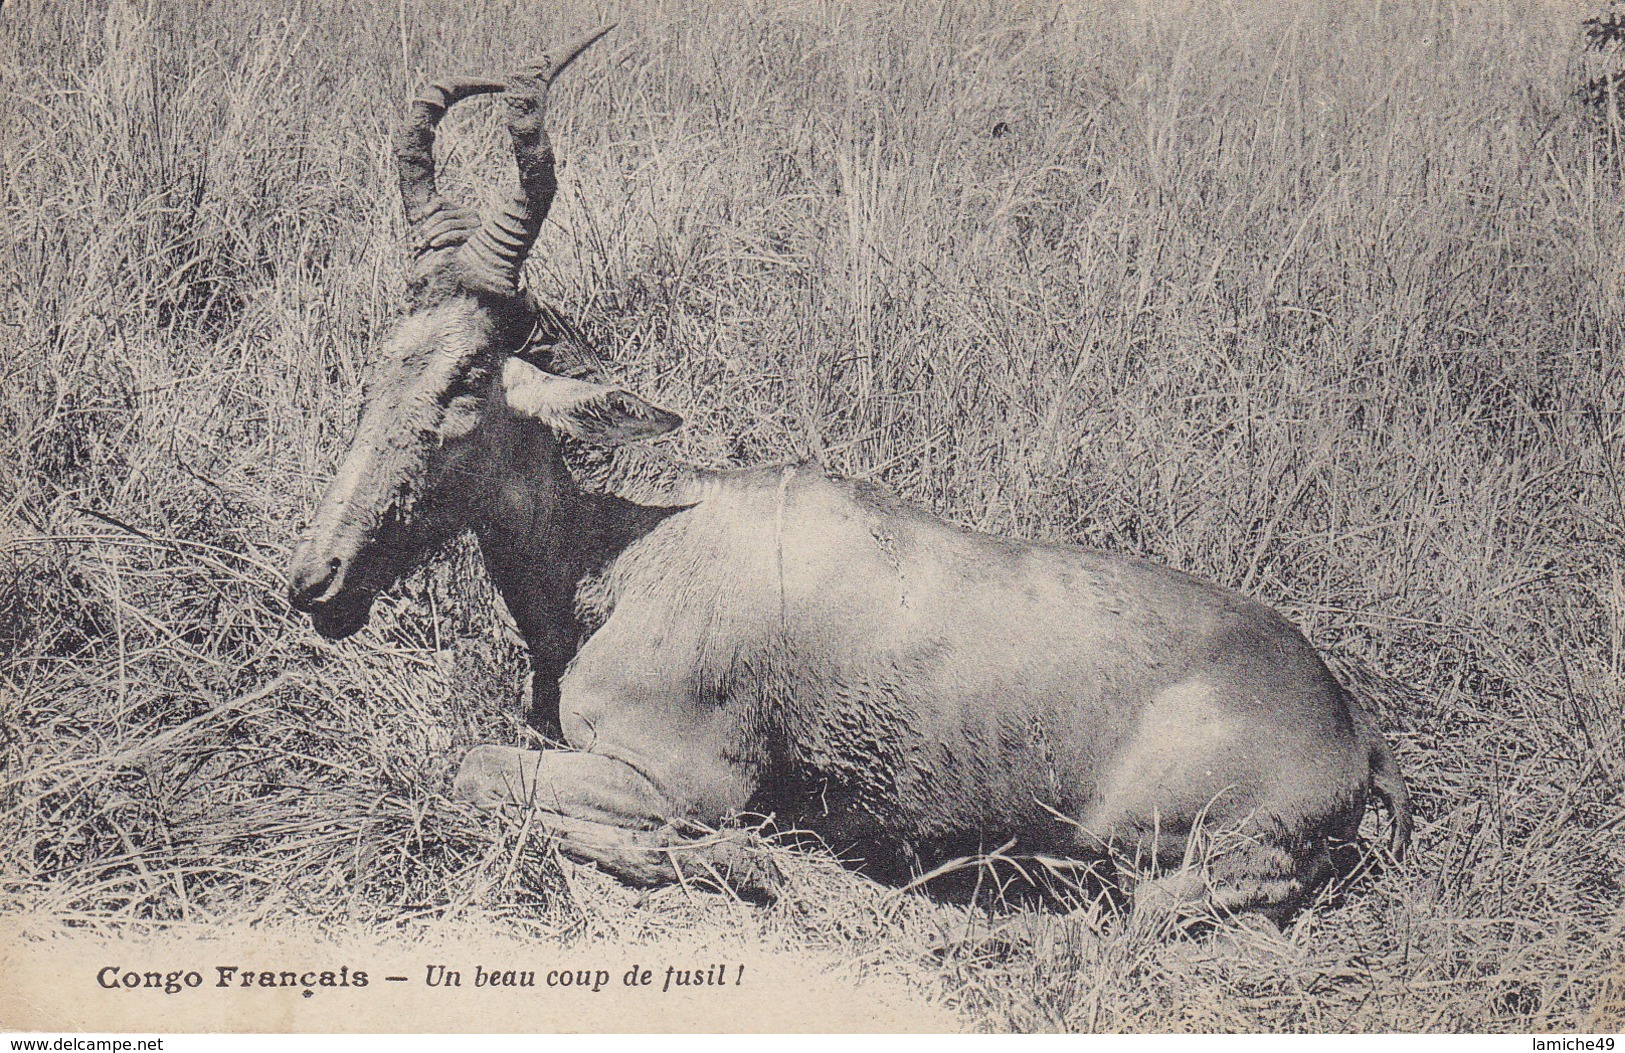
(319,585)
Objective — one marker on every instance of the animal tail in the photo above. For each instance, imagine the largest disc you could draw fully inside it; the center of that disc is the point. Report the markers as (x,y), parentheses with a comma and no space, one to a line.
(1389,784)
(1362,683)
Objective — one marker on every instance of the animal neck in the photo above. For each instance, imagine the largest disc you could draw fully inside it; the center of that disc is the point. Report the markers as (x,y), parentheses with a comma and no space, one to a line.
(541,538)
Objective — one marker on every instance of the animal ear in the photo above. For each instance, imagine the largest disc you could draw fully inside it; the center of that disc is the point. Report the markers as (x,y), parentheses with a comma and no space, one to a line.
(591,412)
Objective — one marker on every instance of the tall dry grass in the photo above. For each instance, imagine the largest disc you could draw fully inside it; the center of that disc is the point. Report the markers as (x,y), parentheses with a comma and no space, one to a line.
(1320,300)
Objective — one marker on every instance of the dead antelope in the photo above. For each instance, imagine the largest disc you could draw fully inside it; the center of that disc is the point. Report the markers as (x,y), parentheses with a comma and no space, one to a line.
(777,642)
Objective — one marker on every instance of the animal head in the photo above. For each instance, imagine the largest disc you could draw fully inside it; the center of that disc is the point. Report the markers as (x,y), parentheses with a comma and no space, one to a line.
(461,413)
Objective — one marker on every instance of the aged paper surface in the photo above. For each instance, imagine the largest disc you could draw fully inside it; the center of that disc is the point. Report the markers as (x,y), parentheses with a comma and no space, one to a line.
(74,985)
(1319,305)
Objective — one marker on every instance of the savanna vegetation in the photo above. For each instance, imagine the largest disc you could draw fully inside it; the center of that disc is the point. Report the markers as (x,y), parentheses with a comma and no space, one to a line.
(1321,300)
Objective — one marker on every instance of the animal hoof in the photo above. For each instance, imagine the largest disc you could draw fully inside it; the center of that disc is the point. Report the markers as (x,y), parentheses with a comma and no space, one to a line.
(753,875)
(732,859)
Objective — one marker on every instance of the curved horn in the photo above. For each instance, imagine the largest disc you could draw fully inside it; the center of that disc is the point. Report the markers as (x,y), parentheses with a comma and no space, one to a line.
(499,248)
(414,145)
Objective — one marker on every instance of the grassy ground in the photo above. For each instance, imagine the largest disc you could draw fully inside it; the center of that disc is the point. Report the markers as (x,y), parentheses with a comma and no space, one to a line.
(1320,300)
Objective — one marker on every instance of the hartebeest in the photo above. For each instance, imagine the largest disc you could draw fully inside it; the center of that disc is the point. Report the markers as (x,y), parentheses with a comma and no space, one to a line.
(774,641)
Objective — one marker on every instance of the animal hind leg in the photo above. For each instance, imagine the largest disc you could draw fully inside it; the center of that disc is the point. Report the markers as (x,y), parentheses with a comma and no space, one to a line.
(604,811)
(1245,877)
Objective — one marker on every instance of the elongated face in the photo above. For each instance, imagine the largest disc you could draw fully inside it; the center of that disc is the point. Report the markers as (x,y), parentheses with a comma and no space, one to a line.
(433,451)
(446,396)
(412,477)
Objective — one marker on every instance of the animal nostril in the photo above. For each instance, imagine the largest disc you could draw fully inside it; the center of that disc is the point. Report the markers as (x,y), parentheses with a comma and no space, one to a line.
(313,584)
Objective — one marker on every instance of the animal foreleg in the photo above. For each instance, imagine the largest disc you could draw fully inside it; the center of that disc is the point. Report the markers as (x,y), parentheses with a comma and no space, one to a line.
(544,700)
(606,812)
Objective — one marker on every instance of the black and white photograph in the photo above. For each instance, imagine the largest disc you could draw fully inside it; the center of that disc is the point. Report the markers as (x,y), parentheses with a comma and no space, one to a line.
(537,516)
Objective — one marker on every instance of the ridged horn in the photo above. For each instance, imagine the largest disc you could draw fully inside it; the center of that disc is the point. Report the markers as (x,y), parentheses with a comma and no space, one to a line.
(498,250)
(414,147)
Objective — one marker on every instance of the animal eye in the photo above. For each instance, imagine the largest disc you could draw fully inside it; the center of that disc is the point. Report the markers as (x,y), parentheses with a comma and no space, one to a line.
(461,386)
